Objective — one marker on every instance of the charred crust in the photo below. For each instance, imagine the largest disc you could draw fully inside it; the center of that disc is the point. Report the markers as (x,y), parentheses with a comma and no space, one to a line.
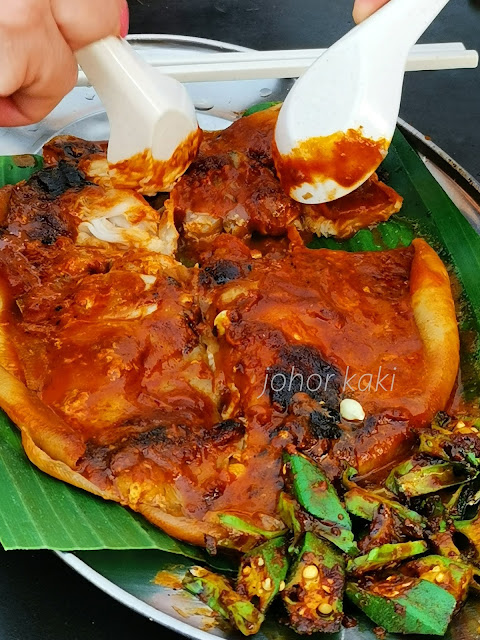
(55,181)
(324,424)
(262,157)
(46,228)
(300,369)
(225,432)
(75,152)
(72,149)
(204,165)
(142,438)
(222,272)
(159,435)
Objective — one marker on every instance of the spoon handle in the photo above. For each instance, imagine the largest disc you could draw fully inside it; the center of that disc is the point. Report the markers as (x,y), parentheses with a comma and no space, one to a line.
(402,22)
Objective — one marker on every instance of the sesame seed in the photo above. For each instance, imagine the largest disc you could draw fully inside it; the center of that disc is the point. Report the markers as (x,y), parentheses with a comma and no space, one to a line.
(246,571)
(439,577)
(325,609)
(330,580)
(310,572)
(267,584)
(436,569)
(261,562)
(198,572)
(326,589)
(282,585)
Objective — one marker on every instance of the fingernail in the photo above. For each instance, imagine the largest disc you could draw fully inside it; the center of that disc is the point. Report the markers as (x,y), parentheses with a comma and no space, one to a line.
(124,21)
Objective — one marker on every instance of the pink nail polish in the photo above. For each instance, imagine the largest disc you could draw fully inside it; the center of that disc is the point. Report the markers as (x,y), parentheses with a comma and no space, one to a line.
(124,21)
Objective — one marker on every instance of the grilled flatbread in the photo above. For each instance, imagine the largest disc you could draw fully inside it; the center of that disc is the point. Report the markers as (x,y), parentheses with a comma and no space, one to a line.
(149,383)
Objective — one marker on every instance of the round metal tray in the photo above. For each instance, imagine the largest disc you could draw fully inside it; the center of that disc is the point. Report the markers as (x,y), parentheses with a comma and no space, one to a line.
(128,576)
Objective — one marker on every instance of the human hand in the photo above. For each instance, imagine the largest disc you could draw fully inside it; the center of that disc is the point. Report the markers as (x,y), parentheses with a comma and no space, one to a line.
(38,39)
(364,8)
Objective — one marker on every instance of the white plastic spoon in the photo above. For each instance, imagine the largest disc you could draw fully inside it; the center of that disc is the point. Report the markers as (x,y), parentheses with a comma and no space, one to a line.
(336,125)
(154,133)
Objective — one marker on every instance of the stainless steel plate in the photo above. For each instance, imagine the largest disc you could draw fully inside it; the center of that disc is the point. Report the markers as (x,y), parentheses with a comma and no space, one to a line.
(129,576)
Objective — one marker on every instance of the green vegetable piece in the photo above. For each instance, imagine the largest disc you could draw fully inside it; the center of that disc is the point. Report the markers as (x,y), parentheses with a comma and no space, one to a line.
(363,503)
(262,106)
(452,575)
(461,439)
(237,524)
(290,512)
(384,555)
(14,169)
(262,572)
(411,479)
(317,496)
(435,443)
(404,604)
(216,592)
(299,521)
(313,595)
(400,470)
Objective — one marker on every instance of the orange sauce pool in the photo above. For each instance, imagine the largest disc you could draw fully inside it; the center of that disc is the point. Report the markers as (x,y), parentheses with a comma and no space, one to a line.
(345,158)
(150,176)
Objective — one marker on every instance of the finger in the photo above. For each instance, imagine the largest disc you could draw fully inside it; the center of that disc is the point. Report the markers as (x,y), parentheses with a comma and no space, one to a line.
(82,22)
(10,116)
(33,103)
(28,17)
(364,8)
(47,70)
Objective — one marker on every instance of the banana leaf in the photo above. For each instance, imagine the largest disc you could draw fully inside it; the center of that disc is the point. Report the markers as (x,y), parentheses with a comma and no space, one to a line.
(14,169)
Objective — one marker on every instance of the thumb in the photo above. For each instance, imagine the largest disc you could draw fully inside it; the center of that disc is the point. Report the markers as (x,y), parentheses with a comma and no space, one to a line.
(364,8)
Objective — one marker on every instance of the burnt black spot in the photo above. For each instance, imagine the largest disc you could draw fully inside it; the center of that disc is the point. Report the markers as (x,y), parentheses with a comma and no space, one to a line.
(225,432)
(221,272)
(77,148)
(301,369)
(172,282)
(71,152)
(204,165)
(262,157)
(54,181)
(96,456)
(146,439)
(46,228)
(324,424)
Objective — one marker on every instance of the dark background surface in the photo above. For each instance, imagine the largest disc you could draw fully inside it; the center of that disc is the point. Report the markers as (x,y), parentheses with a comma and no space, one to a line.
(40,597)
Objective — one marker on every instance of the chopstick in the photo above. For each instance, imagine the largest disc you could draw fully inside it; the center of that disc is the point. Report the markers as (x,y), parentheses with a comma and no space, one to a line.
(257,65)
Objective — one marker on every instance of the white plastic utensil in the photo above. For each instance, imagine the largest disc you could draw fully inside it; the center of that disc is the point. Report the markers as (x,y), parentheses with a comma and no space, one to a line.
(257,65)
(154,131)
(336,124)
